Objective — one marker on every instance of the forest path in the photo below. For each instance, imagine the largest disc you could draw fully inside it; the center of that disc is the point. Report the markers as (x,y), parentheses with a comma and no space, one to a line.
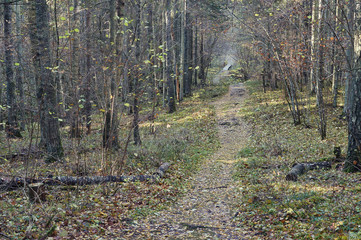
(227,51)
(207,210)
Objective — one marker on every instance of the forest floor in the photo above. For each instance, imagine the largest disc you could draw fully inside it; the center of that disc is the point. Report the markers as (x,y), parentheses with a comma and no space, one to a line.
(208,208)
(229,156)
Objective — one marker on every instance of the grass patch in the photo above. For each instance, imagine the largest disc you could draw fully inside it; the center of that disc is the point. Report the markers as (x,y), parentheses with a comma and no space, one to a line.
(322,204)
(245,152)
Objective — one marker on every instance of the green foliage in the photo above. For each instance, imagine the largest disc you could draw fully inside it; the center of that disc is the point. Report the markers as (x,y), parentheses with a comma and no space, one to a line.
(245,152)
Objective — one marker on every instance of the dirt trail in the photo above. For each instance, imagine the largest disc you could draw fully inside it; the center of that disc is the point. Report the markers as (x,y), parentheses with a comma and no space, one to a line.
(208,209)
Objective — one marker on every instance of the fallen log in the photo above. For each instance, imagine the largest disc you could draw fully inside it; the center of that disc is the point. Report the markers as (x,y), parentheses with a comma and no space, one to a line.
(9,184)
(301,168)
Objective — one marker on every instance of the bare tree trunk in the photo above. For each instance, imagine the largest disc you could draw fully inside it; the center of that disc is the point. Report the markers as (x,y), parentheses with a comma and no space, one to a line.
(20,66)
(195,57)
(137,140)
(189,48)
(177,46)
(321,74)
(87,79)
(38,17)
(75,75)
(314,45)
(353,160)
(150,48)
(110,133)
(202,68)
(350,52)
(336,73)
(170,73)
(182,68)
(125,60)
(186,56)
(58,79)
(9,74)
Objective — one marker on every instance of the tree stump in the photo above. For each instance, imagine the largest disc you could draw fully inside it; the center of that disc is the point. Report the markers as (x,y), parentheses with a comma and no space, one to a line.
(37,192)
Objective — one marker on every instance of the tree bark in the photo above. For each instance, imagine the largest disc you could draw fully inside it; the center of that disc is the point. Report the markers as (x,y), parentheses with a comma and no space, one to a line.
(336,70)
(110,133)
(202,68)
(170,73)
(38,17)
(87,79)
(75,75)
(9,73)
(186,57)
(136,134)
(182,50)
(195,57)
(352,163)
(320,69)
(189,48)
(20,67)
(314,44)
(350,58)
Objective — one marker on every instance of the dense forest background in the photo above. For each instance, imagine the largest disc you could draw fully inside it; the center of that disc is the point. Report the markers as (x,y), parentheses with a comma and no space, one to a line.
(116,87)
(66,61)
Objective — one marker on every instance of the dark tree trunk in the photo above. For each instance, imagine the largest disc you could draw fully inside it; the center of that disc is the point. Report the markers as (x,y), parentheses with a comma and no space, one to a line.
(183,53)
(177,45)
(38,17)
(352,163)
(336,70)
(321,75)
(150,48)
(110,133)
(195,57)
(88,77)
(202,68)
(353,159)
(20,67)
(137,140)
(186,63)
(75,75)
(189,50)
(9,74)
(350,56)
(170,74)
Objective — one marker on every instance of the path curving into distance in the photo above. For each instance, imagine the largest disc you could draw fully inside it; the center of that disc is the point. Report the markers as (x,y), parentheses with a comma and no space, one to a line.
(207,210)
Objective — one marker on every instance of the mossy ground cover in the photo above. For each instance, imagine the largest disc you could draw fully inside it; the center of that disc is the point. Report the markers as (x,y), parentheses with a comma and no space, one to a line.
(321,204)
(183,139)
